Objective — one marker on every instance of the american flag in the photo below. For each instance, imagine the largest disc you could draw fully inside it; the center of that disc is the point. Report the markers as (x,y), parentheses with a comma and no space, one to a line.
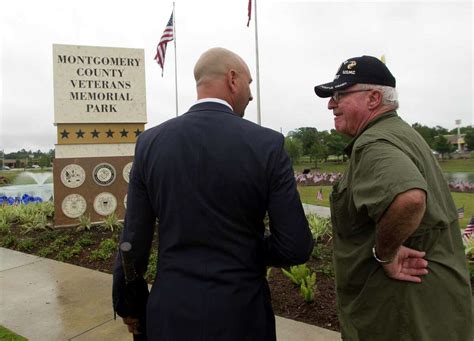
(320,195)
(461,213)
(249,12)
(469,230)
(168,35)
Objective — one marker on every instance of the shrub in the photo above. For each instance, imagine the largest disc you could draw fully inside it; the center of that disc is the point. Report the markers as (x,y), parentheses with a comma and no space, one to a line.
(69,252)
(469,247)
(322,252)
(26,245)
(86,240)
(46,208)
(302,276)
(106,250)
(8,241)
(44,252)
(84,223)
(297,273)
(320,227)
(4,224)
(111,222)
(34,222)
(307,288)
(269,272)
(152,265)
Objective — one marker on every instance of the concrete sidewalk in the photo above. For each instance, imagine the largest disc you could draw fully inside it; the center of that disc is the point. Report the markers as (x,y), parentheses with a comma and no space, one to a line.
(42,299)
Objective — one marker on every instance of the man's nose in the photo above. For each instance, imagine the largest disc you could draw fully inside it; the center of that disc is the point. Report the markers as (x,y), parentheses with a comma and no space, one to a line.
(332,103)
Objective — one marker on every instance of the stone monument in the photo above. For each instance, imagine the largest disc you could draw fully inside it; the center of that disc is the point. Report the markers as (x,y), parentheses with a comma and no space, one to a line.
(99,111)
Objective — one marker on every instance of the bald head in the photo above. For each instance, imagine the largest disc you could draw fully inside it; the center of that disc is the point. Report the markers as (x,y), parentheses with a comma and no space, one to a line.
(215,63)
(222,74)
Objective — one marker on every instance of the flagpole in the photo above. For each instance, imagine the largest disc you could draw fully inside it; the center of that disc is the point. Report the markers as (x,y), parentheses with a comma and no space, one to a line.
(259,121)
(175,60)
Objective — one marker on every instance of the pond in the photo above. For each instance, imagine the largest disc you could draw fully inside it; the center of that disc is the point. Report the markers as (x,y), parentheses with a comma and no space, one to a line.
(40,184)
(464,177)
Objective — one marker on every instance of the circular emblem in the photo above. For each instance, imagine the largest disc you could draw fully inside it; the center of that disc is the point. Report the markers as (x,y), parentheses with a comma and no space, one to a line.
(74,205)
(125,201)
(73,175)
(105,203)
(104,174)
(126,171)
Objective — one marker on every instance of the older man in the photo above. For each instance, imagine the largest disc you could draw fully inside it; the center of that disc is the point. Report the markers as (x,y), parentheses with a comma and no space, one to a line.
(210,176)
(392,201)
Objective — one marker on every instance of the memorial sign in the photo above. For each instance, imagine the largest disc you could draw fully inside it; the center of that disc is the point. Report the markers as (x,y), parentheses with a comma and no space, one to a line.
(99,111)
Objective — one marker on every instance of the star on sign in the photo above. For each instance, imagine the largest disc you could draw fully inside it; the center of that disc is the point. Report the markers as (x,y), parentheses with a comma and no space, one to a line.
(109,133)
(124,133)
(137,132)
(95,134)
(80,134)
(64,134)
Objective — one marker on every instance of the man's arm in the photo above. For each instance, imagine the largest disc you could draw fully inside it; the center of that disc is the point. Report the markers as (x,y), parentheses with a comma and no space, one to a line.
(397,224)
(391,188)
(290,242)
(138,231)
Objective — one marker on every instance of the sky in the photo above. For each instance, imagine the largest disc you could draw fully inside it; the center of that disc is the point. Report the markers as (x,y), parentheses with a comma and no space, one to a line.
(428,47)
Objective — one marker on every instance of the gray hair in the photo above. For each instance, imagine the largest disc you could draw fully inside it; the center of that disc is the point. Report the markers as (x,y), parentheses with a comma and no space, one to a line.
(389,94)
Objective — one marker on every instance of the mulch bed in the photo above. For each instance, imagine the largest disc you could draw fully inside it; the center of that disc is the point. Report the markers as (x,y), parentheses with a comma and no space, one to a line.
(286,298)
(287,301)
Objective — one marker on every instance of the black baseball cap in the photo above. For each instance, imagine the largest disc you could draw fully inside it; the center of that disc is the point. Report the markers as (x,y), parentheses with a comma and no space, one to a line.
(357,70)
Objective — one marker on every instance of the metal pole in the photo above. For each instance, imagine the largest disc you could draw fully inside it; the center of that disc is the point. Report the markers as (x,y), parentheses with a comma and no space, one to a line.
(175,60)
(458,123)
(459,140)
(259,121)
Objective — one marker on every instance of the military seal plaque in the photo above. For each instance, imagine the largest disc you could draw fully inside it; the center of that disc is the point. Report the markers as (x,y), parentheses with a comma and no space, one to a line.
(105,203)
(74,205)
(125,201)
(104,174)
(73,175)
(126,172)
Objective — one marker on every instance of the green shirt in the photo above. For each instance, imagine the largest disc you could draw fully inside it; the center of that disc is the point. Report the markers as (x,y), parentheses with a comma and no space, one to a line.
(386,159)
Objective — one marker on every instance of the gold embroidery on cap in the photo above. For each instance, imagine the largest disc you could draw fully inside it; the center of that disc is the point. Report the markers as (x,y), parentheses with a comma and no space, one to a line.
(351,65)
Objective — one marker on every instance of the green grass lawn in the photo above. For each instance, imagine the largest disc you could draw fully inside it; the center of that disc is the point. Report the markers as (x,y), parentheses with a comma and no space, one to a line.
(308,196)
(448,166)
(454,166)
(8,335)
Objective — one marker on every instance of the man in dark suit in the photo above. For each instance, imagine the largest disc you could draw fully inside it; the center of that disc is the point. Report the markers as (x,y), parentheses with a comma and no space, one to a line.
(210,176)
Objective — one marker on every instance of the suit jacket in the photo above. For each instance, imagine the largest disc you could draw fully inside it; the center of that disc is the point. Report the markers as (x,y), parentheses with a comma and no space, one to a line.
(209,177)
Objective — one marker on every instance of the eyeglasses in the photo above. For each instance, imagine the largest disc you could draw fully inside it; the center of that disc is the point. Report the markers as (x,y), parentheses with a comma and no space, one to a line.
(336,96)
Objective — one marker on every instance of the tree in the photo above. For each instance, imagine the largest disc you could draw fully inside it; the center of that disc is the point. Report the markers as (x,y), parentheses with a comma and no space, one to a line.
(442,146)
(426,132)
(317,152)
(469,139)
(307,136)
(336,142)
(294,148)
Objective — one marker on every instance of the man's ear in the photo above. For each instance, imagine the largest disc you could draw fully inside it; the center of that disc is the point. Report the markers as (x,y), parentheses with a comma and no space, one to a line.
(374,99)
(232,80)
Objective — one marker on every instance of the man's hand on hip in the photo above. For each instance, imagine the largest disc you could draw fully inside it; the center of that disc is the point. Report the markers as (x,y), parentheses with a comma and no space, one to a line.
(408,265)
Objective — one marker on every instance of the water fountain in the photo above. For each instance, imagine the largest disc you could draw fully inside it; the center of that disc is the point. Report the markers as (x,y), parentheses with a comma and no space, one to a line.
(34,184)
(38,178)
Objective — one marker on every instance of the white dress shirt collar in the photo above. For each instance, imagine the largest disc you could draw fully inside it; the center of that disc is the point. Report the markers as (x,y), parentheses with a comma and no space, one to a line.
(215,100)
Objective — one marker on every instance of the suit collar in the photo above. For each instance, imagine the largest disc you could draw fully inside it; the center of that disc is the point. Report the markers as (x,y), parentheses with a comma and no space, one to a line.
(210,106)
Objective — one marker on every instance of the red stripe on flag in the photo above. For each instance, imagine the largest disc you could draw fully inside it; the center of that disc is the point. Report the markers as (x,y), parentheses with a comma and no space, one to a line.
(168,35)
(249,12)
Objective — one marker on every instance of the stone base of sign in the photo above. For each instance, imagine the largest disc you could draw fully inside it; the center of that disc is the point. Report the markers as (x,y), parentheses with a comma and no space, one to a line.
(90,186)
